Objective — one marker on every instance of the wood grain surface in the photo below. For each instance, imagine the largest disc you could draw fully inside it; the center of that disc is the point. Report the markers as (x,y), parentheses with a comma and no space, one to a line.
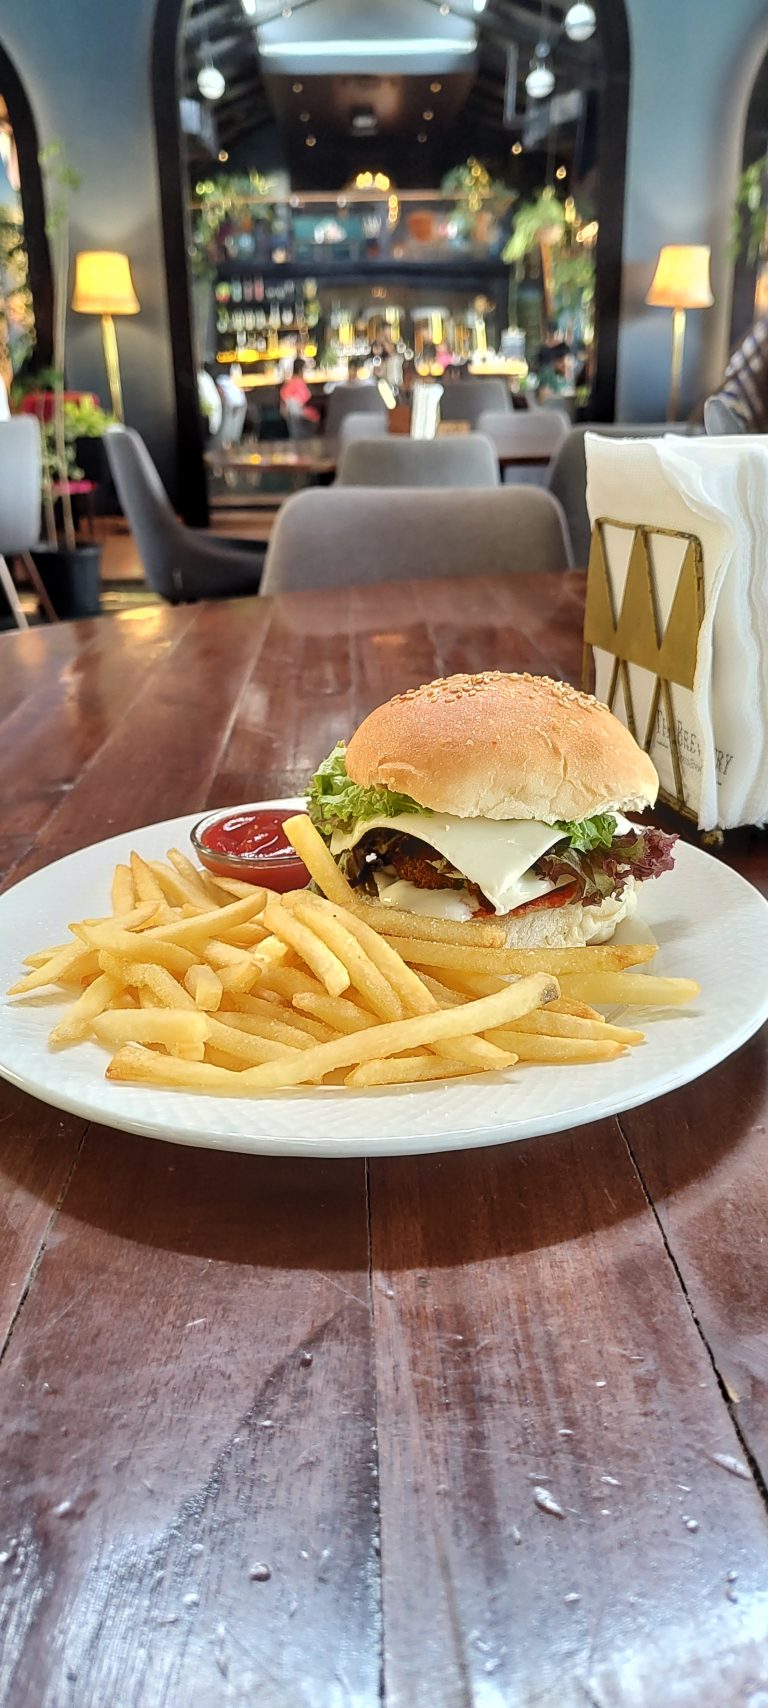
(473,1431)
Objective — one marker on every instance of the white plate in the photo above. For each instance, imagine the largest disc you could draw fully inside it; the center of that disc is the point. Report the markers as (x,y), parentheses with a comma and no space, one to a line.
(710,925)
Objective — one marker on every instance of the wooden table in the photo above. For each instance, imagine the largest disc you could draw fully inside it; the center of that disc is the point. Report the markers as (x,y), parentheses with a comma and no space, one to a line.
(318,457)
(272,1431)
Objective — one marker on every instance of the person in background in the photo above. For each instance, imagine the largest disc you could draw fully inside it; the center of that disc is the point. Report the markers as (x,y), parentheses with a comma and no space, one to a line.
(296,404)
(355,365)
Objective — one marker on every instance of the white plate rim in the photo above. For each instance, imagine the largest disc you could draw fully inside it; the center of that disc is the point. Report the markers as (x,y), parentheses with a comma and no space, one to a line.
(119,1114)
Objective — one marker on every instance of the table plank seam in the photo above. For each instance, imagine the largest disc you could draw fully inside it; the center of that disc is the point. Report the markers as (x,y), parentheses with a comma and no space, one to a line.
(43,1241)
(749,1457)
(382,1687)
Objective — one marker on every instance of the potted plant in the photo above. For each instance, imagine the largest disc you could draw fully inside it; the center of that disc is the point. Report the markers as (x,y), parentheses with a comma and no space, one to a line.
(85,424)
(71,572)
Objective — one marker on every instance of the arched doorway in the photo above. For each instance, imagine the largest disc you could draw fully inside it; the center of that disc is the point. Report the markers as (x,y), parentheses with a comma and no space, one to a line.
(610,134)
(750,214)
(26,289)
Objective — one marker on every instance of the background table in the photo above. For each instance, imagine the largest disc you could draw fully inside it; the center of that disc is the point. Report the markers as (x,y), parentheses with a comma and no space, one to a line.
(316,457)
(272,1430)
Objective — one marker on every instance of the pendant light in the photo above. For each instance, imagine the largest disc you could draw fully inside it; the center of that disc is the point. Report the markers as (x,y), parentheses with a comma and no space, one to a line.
(211,82)
(580,21)
(541,78)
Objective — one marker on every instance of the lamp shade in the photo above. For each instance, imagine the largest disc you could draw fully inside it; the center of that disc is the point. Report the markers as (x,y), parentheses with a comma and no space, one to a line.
(103,283)
(681,279)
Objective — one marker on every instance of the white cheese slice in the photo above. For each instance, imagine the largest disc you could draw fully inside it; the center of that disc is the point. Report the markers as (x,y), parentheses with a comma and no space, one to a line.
(495,854)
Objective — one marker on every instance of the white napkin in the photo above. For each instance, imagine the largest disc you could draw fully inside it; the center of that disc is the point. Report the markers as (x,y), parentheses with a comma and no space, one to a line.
(425,410)
(716,489)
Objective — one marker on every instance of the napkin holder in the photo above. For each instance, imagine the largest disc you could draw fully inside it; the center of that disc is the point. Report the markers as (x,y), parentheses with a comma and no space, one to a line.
(636,634)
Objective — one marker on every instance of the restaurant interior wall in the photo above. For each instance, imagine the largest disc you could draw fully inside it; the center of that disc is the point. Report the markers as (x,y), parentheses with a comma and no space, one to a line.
(693,65)
(85,67)
(86,70)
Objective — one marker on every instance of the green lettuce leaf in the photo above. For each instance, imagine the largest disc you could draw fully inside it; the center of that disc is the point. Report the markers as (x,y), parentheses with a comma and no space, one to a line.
(334,802)
(588,833)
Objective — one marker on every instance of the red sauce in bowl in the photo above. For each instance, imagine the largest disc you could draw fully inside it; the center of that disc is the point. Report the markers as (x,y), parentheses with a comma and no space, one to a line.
(250,843)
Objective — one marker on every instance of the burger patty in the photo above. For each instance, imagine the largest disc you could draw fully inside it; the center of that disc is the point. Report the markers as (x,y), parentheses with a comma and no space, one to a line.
(417,868)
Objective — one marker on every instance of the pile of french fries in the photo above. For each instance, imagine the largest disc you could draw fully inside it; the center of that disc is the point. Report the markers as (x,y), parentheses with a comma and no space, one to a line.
(210,984)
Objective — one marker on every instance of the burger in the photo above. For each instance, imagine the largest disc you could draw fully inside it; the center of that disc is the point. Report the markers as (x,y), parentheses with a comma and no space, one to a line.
(500,795)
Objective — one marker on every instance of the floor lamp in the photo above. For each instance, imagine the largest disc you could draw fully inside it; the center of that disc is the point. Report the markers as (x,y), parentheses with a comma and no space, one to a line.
(103,286)
(680,282)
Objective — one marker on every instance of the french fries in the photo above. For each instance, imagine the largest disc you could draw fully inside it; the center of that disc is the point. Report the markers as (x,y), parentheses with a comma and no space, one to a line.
(221,987)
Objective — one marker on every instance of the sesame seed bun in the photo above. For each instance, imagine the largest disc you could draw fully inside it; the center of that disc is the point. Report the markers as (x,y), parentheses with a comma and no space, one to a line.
(503,746)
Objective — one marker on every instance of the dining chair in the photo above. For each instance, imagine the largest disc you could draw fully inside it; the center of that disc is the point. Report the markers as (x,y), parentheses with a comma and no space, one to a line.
(524,432)
(567,474)
(20,509)
(358,425)
(468,460)
(352,397)
(5,408)
(346,536)
(179,563)
(467,400)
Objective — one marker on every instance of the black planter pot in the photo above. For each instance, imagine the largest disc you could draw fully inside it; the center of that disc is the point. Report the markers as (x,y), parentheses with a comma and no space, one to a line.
(71,578)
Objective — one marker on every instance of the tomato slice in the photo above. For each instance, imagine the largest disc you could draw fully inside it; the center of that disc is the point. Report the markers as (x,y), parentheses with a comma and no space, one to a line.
(553,898)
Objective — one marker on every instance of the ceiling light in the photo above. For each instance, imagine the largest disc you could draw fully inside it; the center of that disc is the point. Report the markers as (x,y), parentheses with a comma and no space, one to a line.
(422,136)
(223,156)
(517,148)
(445,11)
(249,7)
(479,5)
(304,118)
(428,114)
(541,78)
(310,141)
(211,83)
(561,172)
(297,88)
(286,12)
(434,88)
(580,22)
(412,47)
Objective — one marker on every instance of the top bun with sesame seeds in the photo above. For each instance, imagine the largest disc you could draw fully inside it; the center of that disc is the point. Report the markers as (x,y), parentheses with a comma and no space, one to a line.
(503,746)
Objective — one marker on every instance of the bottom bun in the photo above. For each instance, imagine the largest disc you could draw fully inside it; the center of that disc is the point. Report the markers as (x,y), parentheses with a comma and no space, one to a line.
(573,926)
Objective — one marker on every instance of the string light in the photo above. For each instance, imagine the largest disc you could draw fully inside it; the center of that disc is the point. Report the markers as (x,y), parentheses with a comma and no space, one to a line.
(435,88)
(310,141)
(517,148)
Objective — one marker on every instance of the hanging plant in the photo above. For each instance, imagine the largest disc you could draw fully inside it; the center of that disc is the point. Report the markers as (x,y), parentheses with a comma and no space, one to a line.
(536,222)
(750,214)
(220,204)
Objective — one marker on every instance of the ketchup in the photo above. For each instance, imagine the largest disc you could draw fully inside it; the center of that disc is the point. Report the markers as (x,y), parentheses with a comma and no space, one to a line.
(252,845)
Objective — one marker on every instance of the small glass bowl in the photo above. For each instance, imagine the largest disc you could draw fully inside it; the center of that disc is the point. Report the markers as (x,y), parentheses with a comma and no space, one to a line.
(278,871)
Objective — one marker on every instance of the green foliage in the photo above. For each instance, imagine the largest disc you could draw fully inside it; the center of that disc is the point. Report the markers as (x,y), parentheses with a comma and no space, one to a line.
(61,181)
(750,213)
(84,419)
(532,219)
(334,802)
(588,833)
(219,202)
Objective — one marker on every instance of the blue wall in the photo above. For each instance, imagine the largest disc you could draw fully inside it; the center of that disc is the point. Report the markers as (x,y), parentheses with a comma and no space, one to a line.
(693,62)
(85,64)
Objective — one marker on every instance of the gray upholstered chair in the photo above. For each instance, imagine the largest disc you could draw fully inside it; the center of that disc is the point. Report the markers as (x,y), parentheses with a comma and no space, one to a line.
(362,426)
(178,562)
(465,400)
(20,508)
(524,433)
(353,397)
(464,460)
(346,536)
(568,473)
